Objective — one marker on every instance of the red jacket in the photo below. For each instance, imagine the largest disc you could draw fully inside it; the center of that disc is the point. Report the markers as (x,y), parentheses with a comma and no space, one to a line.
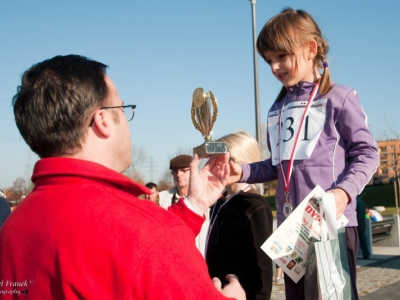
(82,233)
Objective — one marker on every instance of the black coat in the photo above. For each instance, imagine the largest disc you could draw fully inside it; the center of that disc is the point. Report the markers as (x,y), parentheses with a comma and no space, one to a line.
(5,210)
(238,228)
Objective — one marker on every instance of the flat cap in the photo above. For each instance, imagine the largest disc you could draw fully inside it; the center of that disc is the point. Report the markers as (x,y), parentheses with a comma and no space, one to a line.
(181,161)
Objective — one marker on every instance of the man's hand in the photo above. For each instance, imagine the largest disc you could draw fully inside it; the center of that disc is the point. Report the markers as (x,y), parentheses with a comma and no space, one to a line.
(341,199)
(206,185)
(232,290)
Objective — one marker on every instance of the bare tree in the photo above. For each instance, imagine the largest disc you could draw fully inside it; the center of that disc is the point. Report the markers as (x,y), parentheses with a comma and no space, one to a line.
(139,157)
(391,136)
(391,131)
(166,182)
(18,190)
(136,176)
(180,151)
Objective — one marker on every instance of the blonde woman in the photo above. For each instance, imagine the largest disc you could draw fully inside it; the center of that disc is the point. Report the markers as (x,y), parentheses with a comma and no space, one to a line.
(240,222)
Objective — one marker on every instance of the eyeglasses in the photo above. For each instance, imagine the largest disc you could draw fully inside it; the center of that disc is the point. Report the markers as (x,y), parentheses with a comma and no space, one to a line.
(128,110)
(129,113)
(176,171)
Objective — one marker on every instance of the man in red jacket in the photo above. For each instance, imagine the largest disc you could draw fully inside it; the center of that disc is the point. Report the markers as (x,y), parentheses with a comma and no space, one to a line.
(82,233)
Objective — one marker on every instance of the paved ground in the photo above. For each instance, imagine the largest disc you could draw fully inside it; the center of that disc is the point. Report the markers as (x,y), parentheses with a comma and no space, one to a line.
(377,277)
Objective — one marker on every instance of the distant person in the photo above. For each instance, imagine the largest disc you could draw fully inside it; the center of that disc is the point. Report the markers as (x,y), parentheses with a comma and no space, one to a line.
(240,222)
(180,171)
(154,192)
(317,130)
(83,233)
(361,228)
(5,209)
(278,280)
(373,214)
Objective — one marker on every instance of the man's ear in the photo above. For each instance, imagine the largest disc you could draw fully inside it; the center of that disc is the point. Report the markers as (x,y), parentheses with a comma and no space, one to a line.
(102,122)
(312,48)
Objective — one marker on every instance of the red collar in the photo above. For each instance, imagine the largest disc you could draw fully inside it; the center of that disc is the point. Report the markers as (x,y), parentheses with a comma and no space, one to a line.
(57,169)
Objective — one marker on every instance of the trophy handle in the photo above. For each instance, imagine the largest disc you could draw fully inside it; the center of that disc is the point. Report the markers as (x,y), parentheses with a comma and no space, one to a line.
(215,109)
(196,125)
(214,116)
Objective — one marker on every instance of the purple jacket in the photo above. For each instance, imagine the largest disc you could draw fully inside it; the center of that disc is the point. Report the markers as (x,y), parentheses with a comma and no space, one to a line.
(343,154)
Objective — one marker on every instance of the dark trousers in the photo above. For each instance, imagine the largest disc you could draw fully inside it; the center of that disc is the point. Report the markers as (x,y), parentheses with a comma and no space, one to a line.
(295,291)
(362,236)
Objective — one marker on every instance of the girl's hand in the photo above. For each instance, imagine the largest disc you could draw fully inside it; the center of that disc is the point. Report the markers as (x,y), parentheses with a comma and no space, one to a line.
(235,172)
(341,199)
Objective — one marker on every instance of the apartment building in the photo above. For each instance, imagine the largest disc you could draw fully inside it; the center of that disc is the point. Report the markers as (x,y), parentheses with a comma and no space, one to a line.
(389,164)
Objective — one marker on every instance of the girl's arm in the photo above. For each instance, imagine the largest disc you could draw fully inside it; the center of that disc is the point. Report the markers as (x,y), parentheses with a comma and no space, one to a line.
(259,172)
(360,147)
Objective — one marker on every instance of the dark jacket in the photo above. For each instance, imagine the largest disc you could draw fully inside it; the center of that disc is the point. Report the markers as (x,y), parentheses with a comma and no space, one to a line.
(5,210)
(238,228)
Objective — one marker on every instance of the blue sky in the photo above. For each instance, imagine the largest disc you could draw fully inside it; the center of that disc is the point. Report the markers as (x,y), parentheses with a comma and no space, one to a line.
(159,51)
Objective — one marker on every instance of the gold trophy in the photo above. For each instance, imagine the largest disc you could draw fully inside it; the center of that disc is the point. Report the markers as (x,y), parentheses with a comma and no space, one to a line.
(204,113)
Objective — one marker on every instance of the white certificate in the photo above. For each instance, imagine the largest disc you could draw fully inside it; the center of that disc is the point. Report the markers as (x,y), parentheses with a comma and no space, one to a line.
(289,244)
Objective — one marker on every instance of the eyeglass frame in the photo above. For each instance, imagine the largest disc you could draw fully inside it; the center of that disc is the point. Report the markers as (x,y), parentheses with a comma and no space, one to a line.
(175,171)
(133,106)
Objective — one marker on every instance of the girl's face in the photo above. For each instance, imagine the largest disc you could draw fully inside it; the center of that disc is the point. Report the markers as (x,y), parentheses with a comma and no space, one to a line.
(290,73)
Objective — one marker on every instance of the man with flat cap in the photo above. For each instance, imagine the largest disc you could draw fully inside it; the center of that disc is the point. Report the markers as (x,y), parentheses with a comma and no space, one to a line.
(180,171)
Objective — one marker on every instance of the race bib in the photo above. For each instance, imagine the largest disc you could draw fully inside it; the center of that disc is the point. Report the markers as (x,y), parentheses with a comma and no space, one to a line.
(290,122)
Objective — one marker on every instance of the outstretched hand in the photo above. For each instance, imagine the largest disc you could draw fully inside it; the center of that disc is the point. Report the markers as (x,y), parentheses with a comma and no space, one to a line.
(233,289)
(206,185)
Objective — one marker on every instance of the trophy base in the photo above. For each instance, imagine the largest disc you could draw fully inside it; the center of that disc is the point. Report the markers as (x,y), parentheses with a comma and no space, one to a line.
(209,149)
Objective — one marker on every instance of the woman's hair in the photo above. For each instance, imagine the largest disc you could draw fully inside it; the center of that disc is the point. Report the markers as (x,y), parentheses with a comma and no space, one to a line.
(243,148)
(287,32)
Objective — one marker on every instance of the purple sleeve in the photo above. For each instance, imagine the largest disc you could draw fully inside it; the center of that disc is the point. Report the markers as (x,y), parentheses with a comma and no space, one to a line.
(259,172)
(361,147)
